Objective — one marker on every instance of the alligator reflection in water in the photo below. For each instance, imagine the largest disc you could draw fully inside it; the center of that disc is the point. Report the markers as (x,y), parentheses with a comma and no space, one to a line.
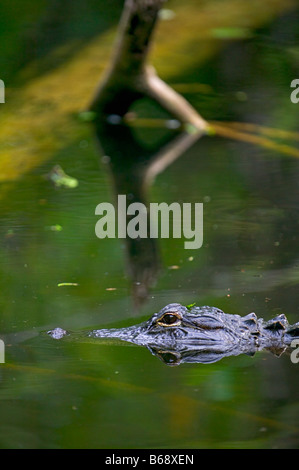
(133,166)
(179,334)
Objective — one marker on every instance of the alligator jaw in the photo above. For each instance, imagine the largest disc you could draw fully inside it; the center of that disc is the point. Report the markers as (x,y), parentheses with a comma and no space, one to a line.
(145,334)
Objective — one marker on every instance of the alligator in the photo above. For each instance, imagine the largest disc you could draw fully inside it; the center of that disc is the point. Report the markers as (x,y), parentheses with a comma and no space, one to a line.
(179,334)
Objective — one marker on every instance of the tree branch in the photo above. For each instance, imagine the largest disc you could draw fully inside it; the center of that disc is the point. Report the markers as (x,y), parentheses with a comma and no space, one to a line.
(129,78)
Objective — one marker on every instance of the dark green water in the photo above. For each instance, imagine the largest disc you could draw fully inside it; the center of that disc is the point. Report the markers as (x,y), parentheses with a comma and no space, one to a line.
(109,395)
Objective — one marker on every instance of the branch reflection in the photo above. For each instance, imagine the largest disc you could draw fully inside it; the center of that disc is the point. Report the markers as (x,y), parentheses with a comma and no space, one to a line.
(133,167)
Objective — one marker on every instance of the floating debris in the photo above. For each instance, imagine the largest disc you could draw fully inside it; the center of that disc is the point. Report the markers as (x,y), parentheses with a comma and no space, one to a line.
(191,129)
(60,178)
(62,284)
(172,124)
(10,233)
(87,116)
(165,14)
(231,33)
(114,119)
(55,228)
(57,333)
(241,96)
(190,305)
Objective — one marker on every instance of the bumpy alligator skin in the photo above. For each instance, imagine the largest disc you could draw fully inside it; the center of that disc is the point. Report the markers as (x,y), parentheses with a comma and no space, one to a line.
(201,334)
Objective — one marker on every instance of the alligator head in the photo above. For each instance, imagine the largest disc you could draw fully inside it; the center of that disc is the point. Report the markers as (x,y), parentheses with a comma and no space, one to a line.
(179,334)
(175,325)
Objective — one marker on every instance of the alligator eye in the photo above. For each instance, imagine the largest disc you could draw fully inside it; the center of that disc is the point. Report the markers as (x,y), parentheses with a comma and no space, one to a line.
(169,319)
